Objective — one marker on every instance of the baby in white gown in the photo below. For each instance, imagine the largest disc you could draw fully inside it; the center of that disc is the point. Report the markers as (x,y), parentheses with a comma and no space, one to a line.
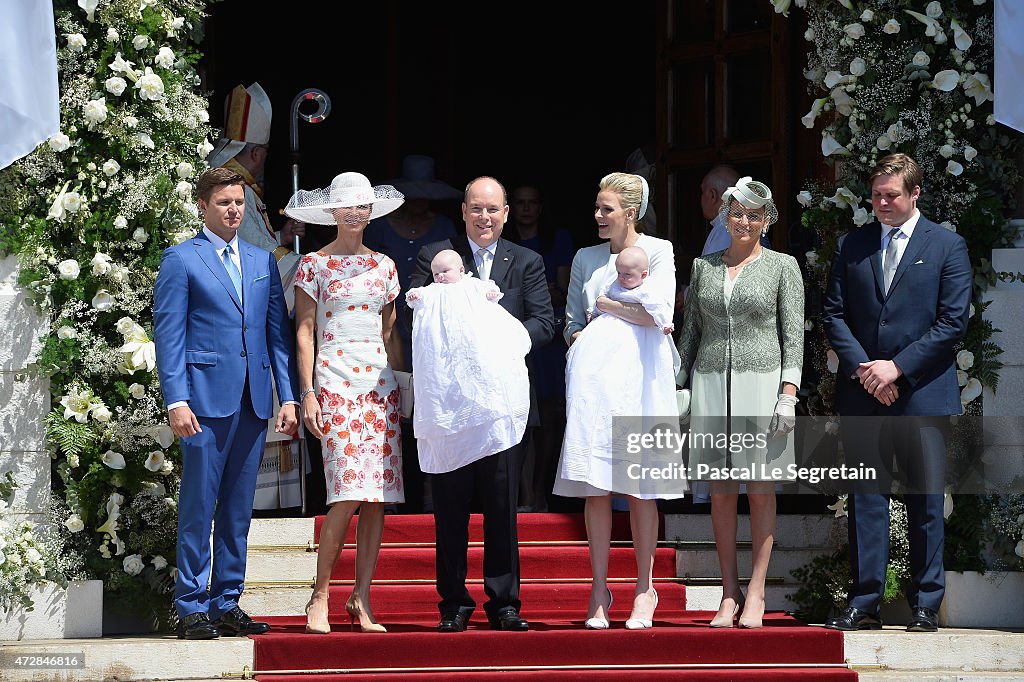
(472,391)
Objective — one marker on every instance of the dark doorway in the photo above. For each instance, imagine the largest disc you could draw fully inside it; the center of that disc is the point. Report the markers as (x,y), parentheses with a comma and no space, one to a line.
(508,91)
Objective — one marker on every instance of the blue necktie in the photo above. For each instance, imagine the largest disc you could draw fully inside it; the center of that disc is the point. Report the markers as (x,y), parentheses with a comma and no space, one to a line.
(233,273)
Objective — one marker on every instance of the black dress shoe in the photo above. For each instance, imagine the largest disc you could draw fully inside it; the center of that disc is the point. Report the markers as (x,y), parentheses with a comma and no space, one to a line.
(923,620)
(453,622)
(854,619)
(237,623)
(508,619)
(197,626)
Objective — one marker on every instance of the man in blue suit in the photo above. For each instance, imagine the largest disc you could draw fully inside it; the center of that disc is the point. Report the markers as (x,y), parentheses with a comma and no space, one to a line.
(898,300)
(221,326)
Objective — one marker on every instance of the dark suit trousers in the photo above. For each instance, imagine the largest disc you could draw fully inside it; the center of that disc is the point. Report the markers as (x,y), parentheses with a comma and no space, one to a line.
(496,478)
(917,444)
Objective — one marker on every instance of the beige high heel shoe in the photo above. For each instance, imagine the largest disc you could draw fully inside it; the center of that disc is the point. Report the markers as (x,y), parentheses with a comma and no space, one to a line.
(600,623)
(643,623)
(317,626)
(367,623)
(723,621)
(751,623)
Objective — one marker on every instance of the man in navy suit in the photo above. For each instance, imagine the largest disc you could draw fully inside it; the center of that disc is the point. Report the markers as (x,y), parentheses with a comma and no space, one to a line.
(221,327)
(898,300)
(519,273)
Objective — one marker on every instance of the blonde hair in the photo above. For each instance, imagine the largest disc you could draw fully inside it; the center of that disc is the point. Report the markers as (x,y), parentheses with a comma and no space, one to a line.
(630,189)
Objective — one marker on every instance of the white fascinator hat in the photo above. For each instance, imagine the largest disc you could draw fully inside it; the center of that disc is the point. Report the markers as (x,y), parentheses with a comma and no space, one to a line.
(347,189)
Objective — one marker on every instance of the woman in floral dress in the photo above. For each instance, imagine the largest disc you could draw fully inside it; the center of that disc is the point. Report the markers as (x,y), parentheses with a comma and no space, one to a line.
(344,308)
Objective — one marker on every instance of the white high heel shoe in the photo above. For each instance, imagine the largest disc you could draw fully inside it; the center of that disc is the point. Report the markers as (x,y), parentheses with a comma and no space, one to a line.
(600,623)
(643,623)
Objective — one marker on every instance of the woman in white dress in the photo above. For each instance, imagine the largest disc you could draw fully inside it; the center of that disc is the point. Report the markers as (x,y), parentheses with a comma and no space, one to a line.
(743,335)
(582,471)
(345,300)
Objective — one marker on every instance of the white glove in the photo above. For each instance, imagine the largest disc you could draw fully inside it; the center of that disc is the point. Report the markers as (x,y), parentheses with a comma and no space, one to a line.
(784,419)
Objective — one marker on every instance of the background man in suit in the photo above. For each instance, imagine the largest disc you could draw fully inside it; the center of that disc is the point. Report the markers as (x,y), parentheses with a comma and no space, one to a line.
(897,303)
(221,326)
(519,273)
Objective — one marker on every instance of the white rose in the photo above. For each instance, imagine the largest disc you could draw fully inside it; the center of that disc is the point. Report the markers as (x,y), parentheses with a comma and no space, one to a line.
(168,467)
(954,168)
(175,24)
(120,222)
(95,111)
(133,564)
(970,153)
(961,378)
(159,563)
(183,190)
(150,86)
(76,42)
(948,225)
(140,235)
(867,15)
(125,325)
(832,361)
(861,216)
(100,264)
(854,31)
(184,170)
(137,391)
(809,35)
(101,414)
(804,198)
(102,301)
(811,258)
(68,269)
(165,57)
(59,142)
(204,148)
(146,141)
(934,9)
(808,325)
(1019,549)
(66,332)
(965,359)
(883,142)
(140,42)
(892,27)
(858,66)
(832,427)
(922,58)
(114,460)
(130,121)
(111,167)
(155,460)
(112,35)
(946,151)
(115,85)
(74,523)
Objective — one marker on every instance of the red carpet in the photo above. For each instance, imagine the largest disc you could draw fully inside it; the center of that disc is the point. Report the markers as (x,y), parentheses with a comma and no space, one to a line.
(555,571)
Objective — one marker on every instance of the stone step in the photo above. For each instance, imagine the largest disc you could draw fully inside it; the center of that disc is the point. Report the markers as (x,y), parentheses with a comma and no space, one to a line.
(794,530)
(708,597)
(888,654)
(704,562)
(1011,261)
(280,532)
(276,565)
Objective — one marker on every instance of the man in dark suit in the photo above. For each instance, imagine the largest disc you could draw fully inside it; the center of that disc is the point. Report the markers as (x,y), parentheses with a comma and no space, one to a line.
(897,304)
(221,327)
(519,273)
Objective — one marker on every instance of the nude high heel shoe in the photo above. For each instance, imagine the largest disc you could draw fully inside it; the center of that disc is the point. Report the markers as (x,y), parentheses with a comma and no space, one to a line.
(749,623)
(367,623)
(643,623)
(726,621)
(600,623)
(315,625)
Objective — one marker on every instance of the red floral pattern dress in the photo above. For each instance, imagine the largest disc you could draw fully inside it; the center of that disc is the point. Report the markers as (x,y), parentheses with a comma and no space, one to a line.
(357,390)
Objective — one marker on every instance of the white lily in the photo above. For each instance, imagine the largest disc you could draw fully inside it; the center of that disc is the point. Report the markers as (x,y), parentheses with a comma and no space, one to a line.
(161,433)
(155,461)
(954,168)
(932,26)
(832,361)
(90,8)
(960,37)
(844,198)
(946,80)
(830,146)
(782,6)
(971,391)
(805,199)
(978,86)
(114,460)
(121,65)
(809,118)
(844,103)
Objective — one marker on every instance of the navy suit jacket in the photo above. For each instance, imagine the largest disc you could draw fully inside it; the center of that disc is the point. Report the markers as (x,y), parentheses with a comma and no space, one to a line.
(208,344)
(519,273)
(916,325)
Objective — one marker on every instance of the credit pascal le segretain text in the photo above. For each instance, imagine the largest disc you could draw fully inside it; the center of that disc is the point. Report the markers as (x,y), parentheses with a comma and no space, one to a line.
(755,471)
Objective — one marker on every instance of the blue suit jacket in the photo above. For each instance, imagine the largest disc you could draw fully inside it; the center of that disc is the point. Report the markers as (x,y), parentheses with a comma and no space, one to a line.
(916,325)
(207,345)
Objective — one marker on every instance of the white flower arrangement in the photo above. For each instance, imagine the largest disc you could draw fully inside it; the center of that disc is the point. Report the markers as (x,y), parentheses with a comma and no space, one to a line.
(23,556)
(134,126)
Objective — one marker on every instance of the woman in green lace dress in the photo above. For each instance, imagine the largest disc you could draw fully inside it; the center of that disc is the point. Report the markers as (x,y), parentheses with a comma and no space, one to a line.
(743,339)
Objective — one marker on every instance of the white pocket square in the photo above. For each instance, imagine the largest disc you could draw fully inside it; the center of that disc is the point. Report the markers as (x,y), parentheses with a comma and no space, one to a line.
(920,262)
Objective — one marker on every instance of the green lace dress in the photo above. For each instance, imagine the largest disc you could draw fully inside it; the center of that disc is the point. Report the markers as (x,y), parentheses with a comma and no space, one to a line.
(742,339)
